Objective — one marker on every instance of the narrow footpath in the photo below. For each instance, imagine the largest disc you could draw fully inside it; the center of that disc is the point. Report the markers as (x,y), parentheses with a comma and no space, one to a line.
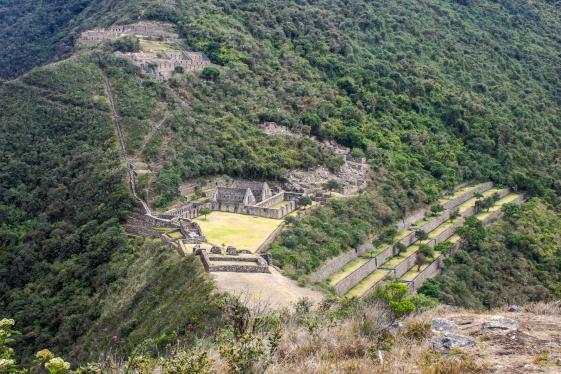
(124,154)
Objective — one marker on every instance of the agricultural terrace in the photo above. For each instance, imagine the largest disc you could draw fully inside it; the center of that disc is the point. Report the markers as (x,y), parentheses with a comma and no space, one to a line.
(378,275)
(238,230)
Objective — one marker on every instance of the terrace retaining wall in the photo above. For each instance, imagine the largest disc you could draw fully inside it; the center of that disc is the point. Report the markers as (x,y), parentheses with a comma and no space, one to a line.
(465,197)
(355,277)
(272,236)
(430,271)
(337,263)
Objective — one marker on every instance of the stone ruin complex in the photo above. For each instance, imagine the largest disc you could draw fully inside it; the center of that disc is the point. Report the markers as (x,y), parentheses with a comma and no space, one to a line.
(142,30)
(162,65)
(158,64)
(352,176)
(233,260)
(243,197)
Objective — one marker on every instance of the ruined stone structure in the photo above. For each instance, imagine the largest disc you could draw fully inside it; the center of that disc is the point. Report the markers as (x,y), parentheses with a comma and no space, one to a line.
(144,30)
(253,198)
(234,261)
(162,65)
(243,197)
(158,64)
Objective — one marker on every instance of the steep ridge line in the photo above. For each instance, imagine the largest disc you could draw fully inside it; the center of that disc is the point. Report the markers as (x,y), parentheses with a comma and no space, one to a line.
(132,178)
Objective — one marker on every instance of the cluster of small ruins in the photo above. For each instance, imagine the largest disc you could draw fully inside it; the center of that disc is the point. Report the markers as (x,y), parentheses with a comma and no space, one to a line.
(351,176)
(142,30)
(161,64)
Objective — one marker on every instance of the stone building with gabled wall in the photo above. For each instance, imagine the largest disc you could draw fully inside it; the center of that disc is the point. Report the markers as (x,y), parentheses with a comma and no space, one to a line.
(243,197)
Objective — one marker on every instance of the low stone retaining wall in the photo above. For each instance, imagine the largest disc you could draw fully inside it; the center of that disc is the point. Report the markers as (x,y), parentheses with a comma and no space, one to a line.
(338,262)
(446,234)
(355,277)
(405,265)
(260,267)
(331,266)
(272,236)
(437,265)
(430,271)
(465,197)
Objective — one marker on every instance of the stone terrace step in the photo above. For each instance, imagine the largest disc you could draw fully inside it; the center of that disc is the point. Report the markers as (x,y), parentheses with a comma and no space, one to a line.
(367,283)
(416,279)
(400,265)
(348,277)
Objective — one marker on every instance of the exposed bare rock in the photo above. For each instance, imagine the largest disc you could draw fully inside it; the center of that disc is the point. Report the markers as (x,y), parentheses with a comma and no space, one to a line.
(444,325)
(500,323)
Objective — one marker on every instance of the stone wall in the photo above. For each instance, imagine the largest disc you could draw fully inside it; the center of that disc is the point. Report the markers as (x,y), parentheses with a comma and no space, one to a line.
(355,277)
(465,197)
(437,265)
(383,256)
(188,211)
(405,265)
(272,236)
(333,265)
(411,219)
(430,271)
(446,234)
(337,263)
(275,213)
(275,199)
(259,267)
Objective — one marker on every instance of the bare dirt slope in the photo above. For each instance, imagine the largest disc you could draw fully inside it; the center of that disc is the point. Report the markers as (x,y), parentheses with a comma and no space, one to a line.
(273,289)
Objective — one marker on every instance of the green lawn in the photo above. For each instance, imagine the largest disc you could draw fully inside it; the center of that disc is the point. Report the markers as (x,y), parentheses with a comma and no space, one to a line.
(156,46)
(238,230)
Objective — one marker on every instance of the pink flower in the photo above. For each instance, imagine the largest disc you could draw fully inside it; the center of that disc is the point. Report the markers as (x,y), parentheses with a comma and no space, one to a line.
(189,326)
(115,338)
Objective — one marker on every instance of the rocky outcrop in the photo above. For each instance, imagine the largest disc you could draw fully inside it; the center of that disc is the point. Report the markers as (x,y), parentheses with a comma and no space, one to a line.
(500,323)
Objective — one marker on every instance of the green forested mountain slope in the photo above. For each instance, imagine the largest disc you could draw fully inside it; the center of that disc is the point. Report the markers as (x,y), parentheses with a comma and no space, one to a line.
(35,32)
(432,92)
(64,258)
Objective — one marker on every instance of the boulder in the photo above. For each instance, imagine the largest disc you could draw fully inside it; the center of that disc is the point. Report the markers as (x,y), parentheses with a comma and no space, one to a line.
(216,250)
(514,309)
(500,323)
(447,342)
(444,325)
